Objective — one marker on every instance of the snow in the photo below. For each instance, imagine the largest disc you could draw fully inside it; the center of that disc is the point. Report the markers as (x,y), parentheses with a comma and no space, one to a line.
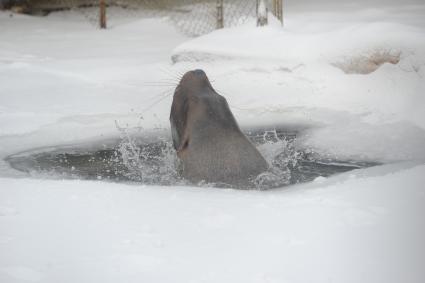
(64,82)
(363,226)
(319,77)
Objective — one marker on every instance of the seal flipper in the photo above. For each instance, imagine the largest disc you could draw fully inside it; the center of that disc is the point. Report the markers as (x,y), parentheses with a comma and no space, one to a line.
(178,117)
(174,135)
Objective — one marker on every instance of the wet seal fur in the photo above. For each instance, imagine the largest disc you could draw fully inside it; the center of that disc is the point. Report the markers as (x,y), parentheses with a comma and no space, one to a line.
(206,136)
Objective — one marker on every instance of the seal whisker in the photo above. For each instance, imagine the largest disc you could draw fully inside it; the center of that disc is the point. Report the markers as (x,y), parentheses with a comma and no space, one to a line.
(163,95)
(170,78)
(222,92)
(169,73)
(240,108)
(162,81)
(160,84)
(180,74)
(160,94)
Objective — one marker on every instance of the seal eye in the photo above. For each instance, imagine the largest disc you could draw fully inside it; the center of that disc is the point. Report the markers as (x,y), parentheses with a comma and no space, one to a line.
(182,151)
(185,145)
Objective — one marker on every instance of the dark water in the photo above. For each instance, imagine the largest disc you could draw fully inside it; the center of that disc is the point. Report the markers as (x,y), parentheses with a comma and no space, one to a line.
(150,159)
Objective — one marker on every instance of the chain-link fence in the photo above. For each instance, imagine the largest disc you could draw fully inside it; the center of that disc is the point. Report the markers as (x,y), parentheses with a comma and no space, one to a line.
(192,17)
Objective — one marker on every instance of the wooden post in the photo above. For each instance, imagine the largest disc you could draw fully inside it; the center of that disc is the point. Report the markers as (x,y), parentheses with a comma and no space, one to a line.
(102,14)
(261,13)
(220,20)
(278,10)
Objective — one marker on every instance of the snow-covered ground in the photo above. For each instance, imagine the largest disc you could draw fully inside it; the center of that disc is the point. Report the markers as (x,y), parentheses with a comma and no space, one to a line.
(64,82)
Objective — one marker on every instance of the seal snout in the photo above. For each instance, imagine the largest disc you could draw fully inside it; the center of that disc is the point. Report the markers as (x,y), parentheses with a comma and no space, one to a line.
(195,78)
(199,73)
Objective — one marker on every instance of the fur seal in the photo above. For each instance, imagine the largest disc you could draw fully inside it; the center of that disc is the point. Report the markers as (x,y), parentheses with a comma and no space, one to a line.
(207,137)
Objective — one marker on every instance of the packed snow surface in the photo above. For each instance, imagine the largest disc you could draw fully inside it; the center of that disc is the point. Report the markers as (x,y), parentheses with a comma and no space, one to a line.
(351,81)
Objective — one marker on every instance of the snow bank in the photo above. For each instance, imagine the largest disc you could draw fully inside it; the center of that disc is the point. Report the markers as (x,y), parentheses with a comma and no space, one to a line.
(356,79)
(362,226)
(303,42)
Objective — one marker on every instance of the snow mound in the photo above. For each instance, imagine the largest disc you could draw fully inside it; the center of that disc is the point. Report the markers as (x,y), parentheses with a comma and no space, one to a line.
(356,79)
(368,62)
(359,48)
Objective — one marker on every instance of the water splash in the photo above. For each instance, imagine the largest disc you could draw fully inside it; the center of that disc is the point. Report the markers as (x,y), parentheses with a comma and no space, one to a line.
(154,162)
(281,154)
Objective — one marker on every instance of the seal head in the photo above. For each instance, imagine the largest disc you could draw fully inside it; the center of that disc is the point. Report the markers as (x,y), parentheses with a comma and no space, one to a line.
(207,137)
